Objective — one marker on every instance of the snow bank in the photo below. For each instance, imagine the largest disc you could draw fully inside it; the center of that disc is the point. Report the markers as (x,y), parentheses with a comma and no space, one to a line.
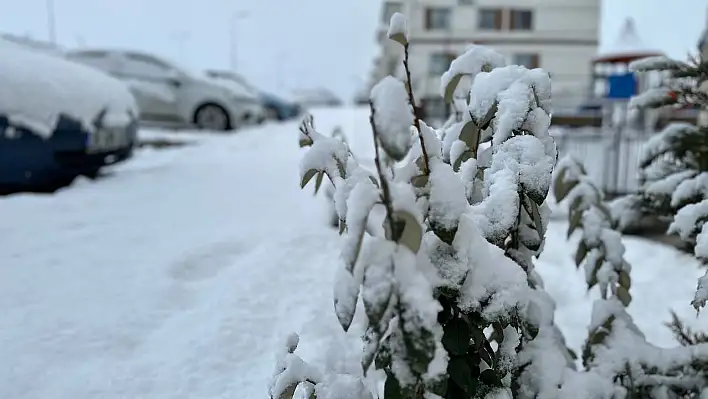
(38,88)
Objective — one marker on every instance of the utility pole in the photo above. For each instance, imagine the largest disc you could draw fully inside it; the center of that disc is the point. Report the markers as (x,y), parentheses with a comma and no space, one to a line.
(235,18)
(51,22)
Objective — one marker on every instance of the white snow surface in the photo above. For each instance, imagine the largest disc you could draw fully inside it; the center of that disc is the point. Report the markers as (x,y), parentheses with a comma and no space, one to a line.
(181,274)
(37,88)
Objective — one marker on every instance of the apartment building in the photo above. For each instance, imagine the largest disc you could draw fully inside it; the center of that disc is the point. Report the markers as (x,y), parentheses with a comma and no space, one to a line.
(560,36)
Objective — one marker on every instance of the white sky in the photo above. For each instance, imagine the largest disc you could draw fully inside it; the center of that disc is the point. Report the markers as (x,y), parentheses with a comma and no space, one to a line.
(289,44)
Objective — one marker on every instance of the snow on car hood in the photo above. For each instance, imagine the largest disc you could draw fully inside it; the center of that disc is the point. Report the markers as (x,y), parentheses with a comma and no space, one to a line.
(234,87)
(37,88)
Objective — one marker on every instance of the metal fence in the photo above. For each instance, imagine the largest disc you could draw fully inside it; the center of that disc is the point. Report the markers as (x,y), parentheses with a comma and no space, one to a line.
(611,158)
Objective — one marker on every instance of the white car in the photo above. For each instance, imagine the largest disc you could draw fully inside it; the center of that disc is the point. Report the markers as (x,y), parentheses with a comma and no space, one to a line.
(58,119)
(255,111)
(167,93)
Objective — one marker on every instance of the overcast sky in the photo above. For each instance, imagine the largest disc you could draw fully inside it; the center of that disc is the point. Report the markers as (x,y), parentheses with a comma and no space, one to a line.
(286,44)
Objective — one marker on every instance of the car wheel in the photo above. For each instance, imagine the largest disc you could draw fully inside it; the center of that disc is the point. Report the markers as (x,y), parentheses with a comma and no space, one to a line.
(212,117)
(272,114)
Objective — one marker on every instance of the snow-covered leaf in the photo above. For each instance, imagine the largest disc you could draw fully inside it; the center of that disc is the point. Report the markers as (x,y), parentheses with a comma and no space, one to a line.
(346,293)
(398,29)
(393,117)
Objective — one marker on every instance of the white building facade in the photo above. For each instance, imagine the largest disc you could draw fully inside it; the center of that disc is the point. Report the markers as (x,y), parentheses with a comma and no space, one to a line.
(560,36)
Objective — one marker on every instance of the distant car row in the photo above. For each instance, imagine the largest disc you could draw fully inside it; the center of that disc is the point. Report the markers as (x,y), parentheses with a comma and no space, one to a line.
(65,114)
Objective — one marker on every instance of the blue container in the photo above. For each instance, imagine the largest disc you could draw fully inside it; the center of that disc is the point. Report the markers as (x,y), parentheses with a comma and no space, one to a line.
(622,87)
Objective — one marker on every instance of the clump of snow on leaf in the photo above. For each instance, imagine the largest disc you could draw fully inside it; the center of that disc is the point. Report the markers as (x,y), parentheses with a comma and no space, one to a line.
(398,26)
(393,116)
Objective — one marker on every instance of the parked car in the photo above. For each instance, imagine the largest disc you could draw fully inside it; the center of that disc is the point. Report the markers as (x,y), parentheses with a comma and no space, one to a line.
(255,112)
(58,120)
(317,98)
(278,108)
(167,93)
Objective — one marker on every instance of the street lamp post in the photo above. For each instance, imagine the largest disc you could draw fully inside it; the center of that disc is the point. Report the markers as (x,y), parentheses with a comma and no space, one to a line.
(237,16)
(51,22)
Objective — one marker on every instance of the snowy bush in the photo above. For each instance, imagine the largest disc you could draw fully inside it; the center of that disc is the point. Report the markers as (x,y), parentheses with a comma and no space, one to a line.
(453,306)
(616,352)
(675,161)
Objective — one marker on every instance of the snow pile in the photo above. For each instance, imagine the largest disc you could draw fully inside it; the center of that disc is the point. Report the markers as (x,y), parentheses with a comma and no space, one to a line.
(38,88)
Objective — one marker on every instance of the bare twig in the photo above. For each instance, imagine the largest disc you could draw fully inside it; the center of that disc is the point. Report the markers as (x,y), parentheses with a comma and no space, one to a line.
(384,183)
(416,117)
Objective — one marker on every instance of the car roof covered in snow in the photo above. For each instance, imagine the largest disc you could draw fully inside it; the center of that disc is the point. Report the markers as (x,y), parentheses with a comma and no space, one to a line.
(38,88)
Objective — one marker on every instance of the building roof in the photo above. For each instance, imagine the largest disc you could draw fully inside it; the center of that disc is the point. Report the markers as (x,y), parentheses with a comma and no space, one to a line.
(627,46)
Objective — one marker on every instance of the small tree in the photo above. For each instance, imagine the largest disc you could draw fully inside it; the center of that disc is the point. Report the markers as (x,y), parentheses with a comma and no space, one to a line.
(617,358)
(675,161)
(453,305)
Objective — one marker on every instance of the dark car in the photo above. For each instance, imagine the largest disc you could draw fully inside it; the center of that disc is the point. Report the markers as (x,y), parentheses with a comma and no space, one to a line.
(58,120)
(277,108)
(31,162)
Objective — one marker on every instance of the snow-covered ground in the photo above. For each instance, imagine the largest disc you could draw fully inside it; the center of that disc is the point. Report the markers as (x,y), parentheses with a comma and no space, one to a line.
(178,275)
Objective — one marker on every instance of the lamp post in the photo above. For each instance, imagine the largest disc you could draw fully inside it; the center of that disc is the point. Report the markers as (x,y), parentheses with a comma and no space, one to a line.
(51,22)
(235,18)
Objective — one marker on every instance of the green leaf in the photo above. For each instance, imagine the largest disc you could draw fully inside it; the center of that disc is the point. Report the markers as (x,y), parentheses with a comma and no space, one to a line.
(593,274)
(460,373)
(318,181)
(392,388)
(399,38)
(561,188)
(624,279)
(456,337)
(419,181)
(489,116)
(451,86)
(490,377)
(624,295)
(342,226)
(412,234)
(599,336)
(467,154)
(289,392)
(469,134)
(307,177)
(580,253)
(536,217)
(576,218)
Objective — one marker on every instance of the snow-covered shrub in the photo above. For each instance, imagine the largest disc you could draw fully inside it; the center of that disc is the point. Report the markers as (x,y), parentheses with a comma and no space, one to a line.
(453,305)
(616,355)
(675,161)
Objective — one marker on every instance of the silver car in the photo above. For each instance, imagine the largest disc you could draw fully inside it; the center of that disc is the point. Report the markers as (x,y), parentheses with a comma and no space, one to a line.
(167,93)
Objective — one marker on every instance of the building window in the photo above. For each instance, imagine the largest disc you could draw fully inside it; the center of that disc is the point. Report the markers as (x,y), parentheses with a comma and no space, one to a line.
(437,18)
(389,9)
(435,108)
(465,2)
(527,59)
(521,20)
(490,19)
(440,63)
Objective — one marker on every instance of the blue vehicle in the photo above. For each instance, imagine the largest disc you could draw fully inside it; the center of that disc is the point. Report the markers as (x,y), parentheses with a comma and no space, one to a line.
(59,120)
(277,108)
(30,162)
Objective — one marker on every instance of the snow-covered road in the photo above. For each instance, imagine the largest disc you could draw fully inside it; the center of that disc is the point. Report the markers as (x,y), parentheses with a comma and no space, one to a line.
(177,275)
